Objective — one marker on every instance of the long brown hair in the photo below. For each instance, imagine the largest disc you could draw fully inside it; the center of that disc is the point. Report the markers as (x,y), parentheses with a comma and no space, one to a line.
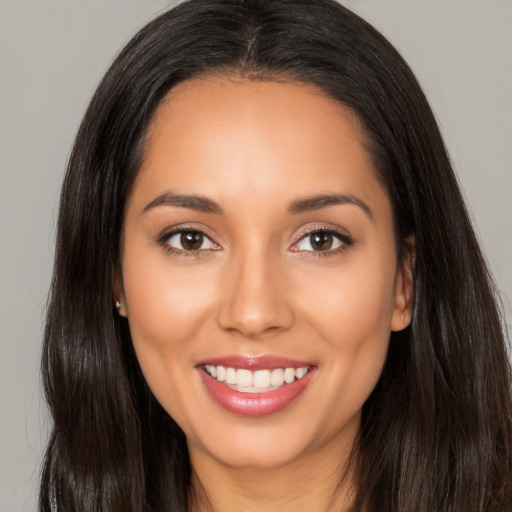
(436,431)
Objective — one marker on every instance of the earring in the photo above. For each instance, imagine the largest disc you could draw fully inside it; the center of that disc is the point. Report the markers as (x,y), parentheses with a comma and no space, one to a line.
(118,305)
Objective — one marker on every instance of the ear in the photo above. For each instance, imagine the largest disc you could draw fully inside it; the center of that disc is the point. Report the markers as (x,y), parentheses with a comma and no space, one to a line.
(404,287)
(119,296)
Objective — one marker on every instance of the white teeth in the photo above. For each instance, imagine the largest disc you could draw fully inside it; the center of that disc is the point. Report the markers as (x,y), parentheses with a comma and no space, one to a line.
(289,375)
(254,389)
(259,381)
(243,378)
(277,377)
(300,372)
(212,370)
(230,376)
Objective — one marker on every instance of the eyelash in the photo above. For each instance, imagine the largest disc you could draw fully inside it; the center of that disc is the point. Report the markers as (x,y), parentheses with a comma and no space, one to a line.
(164,239)
(345,240)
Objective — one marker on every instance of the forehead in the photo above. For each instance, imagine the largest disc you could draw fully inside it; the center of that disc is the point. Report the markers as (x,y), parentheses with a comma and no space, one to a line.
(224,101)
(220,133)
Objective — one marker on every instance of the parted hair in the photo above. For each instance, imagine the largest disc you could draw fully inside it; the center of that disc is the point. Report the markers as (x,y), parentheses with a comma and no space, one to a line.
(436,432)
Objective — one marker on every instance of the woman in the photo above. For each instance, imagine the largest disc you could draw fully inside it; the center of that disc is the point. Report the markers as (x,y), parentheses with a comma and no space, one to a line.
(267,291)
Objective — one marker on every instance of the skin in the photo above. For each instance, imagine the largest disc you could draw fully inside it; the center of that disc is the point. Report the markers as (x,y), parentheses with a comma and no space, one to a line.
(258,288)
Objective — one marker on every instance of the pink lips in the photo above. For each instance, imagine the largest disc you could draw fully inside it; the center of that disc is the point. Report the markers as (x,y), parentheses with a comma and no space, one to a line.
(254,404)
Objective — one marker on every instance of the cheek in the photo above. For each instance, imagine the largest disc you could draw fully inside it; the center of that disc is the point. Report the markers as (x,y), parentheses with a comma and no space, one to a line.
(352,312)
(352,305)
(166,306)
(165,302)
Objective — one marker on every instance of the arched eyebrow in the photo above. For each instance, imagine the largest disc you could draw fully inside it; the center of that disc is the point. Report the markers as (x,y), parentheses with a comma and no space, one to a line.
(192,202)
(205,205)
(324,200)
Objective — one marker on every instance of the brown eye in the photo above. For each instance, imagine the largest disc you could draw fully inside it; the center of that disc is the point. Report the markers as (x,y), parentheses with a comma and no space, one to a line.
(321,241)
(191,240)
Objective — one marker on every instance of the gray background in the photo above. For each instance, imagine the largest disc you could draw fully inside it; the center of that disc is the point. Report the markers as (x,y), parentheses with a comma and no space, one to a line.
(52,54)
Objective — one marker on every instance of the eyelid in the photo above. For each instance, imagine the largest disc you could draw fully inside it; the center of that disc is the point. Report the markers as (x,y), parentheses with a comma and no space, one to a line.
(182,231)
(168,233)
(178,228)
(341,234)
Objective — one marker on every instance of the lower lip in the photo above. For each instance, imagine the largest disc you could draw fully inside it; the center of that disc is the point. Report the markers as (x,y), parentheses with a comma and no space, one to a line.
(254,404)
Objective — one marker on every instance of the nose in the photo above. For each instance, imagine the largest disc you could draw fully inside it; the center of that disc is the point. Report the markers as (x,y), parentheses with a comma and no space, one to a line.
(255,301)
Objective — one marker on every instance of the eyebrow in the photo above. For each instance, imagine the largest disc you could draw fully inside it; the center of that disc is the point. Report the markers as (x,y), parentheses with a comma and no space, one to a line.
(324,200)
(192,202)
(205,205)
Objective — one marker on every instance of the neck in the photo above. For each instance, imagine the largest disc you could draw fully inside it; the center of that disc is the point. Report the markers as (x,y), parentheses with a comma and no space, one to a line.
(316,481)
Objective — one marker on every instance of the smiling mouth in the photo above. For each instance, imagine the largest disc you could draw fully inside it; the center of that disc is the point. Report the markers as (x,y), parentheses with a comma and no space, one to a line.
(258,381)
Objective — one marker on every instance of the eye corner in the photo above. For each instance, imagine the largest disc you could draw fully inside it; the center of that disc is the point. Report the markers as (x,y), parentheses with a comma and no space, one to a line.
(338,240)
(174,241)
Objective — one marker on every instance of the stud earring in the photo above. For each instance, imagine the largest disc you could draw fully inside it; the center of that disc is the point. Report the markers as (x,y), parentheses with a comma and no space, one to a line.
(118,305)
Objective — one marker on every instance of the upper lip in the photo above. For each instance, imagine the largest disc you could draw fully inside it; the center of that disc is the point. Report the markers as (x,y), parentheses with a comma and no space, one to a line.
(249,362)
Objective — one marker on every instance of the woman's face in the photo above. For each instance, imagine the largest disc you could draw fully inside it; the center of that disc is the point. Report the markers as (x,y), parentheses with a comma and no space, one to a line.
(259,273)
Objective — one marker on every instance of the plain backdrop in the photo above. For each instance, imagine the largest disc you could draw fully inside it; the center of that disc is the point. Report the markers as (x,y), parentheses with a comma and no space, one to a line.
(52,54)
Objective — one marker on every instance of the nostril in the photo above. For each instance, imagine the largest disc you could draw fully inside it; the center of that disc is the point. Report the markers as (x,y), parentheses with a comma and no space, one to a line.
(254,303)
